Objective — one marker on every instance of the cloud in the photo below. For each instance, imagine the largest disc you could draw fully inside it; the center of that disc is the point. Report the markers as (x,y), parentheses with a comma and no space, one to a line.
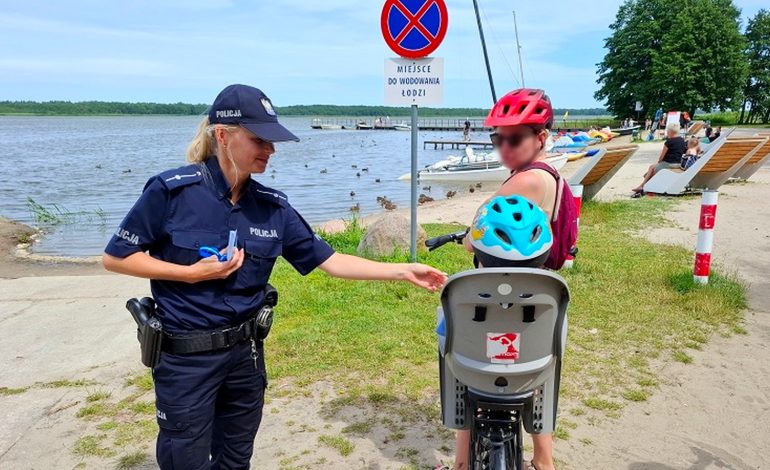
(56,68)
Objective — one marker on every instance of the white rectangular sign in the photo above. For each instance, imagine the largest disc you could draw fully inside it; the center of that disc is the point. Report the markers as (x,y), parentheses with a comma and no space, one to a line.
(414,81)
(672,117)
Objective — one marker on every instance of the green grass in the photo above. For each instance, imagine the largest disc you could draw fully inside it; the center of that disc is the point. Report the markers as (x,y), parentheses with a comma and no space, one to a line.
(728,118)
(635,394)
(6,391)
(98,396)
(122,423)
(601,404)
(142,381)
(91,446)
(24,238)
(340,443)
(632,302)
(633,305)
(54,214)
(132,460)
(358,429)
(65,383)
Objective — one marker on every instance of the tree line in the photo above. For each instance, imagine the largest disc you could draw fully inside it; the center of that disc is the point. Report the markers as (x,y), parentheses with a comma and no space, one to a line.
(81,108)
(686,55)
(98,108)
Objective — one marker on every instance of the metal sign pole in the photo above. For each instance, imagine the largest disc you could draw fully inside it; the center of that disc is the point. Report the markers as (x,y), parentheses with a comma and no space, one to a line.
(413,237)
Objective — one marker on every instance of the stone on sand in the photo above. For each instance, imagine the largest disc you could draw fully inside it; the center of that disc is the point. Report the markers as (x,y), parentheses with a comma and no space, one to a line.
(387,234)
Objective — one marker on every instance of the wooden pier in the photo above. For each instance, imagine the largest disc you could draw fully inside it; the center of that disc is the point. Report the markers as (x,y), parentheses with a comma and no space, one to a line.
(390,124)
(457,144)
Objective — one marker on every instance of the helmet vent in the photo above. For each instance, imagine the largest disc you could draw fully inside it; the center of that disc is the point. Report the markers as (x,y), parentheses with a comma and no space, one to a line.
(517,216)
(502,236)
(506,108)
(522,108)
(496,208)
(512,200)
(531,206)
(536,233)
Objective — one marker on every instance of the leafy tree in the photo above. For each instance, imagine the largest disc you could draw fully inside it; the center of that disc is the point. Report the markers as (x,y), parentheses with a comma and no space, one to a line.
(625,74)
(678,54)
(757,90)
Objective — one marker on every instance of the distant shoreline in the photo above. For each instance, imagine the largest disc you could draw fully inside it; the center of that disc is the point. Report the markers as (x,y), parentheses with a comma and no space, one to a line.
(111,108)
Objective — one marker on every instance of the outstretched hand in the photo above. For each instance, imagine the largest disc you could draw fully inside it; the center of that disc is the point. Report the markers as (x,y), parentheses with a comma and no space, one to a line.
(424,276)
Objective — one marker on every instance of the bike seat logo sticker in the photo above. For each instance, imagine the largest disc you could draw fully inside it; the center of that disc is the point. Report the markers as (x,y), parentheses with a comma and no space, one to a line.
(503,348)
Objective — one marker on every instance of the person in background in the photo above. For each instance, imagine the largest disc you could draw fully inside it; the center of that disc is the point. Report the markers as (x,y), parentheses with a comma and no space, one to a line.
(692,154)
(467,131)
(716,134)
(709,131)
(670,156)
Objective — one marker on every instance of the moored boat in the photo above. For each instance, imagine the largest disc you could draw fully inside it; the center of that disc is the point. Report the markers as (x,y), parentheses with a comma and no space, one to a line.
(473,168)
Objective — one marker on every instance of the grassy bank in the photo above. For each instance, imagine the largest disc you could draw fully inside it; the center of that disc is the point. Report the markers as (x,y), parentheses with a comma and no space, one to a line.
(728,118)
(634,306)
(633,303)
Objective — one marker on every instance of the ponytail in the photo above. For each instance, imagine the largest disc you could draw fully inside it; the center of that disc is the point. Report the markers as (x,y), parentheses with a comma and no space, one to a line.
(203,144)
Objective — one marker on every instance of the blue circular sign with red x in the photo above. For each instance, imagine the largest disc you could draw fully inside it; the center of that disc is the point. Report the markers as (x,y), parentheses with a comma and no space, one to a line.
(414,28)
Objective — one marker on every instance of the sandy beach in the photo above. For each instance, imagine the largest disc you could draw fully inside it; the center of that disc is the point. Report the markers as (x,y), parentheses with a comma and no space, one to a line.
(67,322)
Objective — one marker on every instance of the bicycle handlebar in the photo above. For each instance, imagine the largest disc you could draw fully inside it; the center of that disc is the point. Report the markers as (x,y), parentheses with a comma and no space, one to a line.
(436,242)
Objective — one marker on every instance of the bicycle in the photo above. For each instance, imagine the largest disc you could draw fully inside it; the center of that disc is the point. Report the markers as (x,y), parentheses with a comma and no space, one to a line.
(504,334)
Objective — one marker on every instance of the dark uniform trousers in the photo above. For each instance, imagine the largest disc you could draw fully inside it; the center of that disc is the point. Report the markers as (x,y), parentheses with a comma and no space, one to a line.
(209,406)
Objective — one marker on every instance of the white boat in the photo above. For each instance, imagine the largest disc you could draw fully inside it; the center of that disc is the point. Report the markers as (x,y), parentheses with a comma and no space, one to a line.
(331,127)
(402,126)
(473,168)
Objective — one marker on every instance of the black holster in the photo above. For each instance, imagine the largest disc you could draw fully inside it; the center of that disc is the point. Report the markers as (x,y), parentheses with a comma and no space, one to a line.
(149,330)
(150,333)
(263,320)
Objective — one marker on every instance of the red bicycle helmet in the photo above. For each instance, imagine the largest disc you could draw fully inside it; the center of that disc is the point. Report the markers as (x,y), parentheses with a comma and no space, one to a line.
(525,106)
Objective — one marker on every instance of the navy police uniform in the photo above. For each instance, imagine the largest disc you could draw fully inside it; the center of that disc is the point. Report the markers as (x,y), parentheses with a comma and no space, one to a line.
(209,404)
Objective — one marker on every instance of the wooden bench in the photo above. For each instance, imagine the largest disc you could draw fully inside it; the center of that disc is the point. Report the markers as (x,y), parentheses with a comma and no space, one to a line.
(601,168)
(720,162)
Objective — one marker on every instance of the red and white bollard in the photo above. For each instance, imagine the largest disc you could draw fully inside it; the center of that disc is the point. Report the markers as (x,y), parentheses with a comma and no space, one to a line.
(708,214)
(577,193)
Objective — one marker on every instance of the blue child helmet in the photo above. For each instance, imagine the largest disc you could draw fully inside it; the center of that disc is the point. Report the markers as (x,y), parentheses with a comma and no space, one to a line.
(511,231)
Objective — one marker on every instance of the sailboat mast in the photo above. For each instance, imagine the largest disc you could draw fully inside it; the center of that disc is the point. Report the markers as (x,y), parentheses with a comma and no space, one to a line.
(484,48)
(518,49)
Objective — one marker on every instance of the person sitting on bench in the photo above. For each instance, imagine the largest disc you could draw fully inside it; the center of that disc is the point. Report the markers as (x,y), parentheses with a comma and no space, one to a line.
(670,156)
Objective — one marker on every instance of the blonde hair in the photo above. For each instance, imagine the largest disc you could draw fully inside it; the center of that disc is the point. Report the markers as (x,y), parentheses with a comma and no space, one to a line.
(693,143)
(204,145)
(673,128)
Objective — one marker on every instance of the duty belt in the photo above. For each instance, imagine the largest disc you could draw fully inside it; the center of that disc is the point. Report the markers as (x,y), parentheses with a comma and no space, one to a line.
(210,340)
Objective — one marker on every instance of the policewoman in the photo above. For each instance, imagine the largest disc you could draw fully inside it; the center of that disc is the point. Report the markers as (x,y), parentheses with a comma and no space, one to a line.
(210,379)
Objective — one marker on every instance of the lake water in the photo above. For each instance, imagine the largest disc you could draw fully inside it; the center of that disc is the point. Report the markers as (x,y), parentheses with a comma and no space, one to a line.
(78,168)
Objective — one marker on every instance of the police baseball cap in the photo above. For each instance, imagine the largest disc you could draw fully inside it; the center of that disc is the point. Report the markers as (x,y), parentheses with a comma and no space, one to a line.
(248,107)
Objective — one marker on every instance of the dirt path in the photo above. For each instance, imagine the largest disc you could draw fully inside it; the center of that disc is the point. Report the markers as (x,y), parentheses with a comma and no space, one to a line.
(715,412)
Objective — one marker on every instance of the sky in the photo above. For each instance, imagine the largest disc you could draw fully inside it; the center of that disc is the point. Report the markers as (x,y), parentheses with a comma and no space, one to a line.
(296,51)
